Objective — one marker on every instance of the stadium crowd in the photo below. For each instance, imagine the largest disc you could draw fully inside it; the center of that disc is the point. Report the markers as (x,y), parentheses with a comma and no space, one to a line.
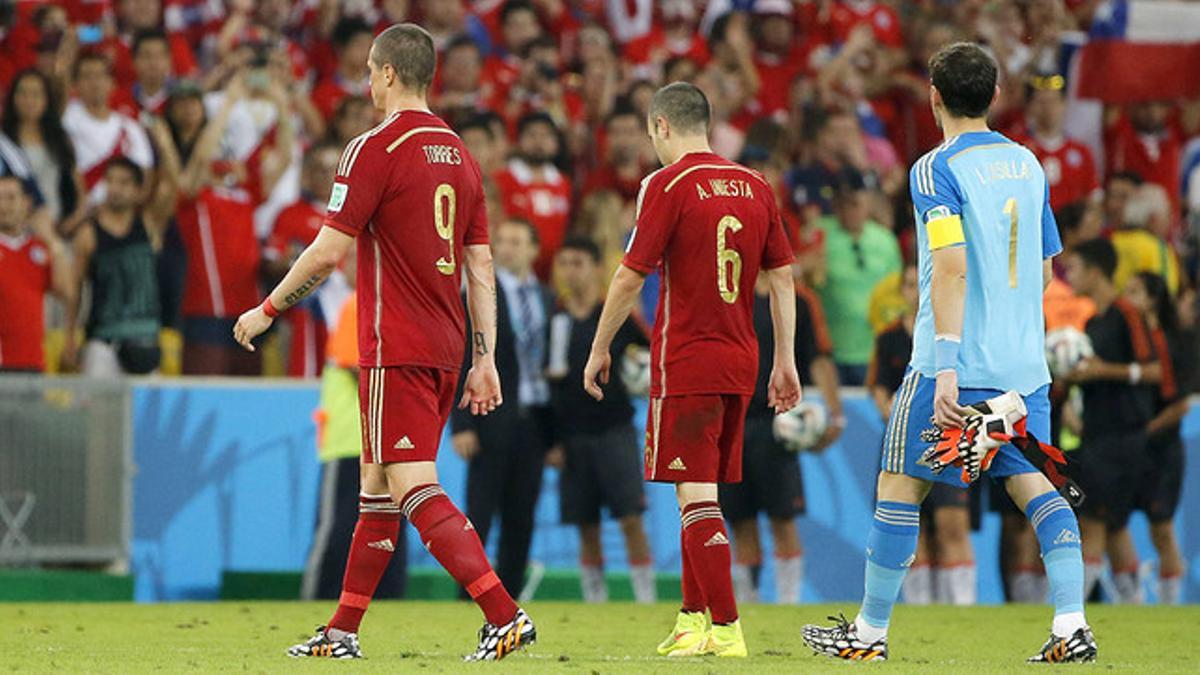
(163,161)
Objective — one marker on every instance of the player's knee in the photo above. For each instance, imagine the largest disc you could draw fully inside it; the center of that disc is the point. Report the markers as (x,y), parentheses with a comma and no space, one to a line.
(897,487)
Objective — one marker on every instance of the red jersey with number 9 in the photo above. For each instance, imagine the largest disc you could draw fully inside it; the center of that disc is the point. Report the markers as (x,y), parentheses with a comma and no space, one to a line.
(708,225)
(413,196)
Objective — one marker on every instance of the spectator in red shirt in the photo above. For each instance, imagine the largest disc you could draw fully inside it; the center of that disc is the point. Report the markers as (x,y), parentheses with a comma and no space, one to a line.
(295,228)
(1146,140)
(133,18)
(30,265)
(534,189)
(625,162)
(1070,170)
(459,92)
(674,36)
(152,67)
(518,27)
(352,40)
(778,57)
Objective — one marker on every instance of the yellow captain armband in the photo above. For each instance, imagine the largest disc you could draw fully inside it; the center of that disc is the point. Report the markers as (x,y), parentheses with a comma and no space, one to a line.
(944,231)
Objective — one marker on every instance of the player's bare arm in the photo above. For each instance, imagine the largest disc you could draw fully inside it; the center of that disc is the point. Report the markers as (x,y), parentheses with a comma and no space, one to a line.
(481,389)
(783,389)
(948,294)
(623,293)
(312,268)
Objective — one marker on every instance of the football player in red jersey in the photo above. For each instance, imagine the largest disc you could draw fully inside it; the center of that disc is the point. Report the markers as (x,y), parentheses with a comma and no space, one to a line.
(708,225)
(411,194)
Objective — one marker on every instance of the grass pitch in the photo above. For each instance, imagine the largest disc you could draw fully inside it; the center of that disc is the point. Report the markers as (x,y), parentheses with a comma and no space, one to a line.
(429,637)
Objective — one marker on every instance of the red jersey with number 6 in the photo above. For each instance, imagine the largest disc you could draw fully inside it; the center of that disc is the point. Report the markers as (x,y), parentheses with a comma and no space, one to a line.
(708,225)
(413,196)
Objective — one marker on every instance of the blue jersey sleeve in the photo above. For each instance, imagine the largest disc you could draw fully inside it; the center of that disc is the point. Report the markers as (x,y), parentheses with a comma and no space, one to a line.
(1051,243)
(938,201)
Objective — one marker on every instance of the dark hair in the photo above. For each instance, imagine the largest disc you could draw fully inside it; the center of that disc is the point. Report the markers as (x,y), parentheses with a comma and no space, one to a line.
(90,56)
(623,107)
(348,28)
(535,117)
(578,242)
(459,41)
(513,6)
(1131,176)
(1160,297)
(675,61)
(1100,254)
(123,162)
(533,231)
(58,143)
(716,33)
(409,49)
(1071,215)
(478,123)
(144,36)
(965,76)
(684,107)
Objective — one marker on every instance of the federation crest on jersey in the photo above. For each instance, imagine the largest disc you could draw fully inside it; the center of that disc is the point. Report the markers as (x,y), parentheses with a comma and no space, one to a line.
(337,197)
(939,211)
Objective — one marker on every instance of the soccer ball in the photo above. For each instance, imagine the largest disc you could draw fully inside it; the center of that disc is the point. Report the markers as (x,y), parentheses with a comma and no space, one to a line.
(635,371)
(801,427)
(1065,348)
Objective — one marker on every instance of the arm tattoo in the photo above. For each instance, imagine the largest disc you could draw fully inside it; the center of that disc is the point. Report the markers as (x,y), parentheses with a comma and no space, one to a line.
(301,292)
(480,344)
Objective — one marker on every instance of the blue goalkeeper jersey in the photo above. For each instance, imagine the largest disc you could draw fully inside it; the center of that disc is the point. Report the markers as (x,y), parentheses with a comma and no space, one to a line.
(982,191)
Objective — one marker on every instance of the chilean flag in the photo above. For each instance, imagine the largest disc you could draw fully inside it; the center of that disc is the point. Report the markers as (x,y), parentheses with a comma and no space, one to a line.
(1142,50)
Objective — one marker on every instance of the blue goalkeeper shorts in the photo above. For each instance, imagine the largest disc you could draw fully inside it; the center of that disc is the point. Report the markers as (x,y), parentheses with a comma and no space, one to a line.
(912,414)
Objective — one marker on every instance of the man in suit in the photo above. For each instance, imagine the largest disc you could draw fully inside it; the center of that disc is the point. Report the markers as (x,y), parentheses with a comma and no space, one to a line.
(506,449)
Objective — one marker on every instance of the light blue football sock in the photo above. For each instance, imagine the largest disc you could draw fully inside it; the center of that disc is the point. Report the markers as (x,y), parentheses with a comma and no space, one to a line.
(890,549)
(1058,535)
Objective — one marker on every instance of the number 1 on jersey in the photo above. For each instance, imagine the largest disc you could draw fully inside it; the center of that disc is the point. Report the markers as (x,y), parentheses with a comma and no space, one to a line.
(443,221)
(1010,210)
(728,280)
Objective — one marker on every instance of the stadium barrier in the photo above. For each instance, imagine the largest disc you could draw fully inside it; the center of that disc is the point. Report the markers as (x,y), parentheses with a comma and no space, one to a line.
(227,474)
(65,472)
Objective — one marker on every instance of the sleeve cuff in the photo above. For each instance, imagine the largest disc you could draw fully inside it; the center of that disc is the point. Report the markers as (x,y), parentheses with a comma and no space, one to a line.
(778,262)
(637,266)
(344,229)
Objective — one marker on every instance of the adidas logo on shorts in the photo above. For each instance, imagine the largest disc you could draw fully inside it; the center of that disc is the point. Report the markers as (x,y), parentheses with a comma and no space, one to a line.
(1066,537)
(677,465)
(718,539)
(403,444)
(382,545)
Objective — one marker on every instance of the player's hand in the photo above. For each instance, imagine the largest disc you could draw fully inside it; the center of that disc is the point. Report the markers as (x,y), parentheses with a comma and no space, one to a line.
(947,413)
(481,390)
(595,373)
(466,444)
(250,325)
(557,457)
(783,389)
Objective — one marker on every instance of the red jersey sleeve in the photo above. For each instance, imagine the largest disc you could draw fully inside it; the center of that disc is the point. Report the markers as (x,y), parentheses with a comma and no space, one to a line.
(777,250)
(358,186)
(655,221)
(477,226)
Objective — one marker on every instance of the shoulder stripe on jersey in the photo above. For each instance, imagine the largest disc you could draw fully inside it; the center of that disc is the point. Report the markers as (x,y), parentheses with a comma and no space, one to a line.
(350,154)
(925,182)
(419,130)
(697,167)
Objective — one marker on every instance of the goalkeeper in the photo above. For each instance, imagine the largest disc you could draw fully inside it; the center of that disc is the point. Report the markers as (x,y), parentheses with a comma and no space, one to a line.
(985,239)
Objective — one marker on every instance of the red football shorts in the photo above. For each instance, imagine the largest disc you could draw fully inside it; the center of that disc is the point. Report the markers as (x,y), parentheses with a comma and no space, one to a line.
(696,438)
(403,410)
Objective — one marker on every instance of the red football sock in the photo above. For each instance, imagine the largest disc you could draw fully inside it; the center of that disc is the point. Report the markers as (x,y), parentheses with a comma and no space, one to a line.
(370,552)
(693,595)
(451,539)
(707,545)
